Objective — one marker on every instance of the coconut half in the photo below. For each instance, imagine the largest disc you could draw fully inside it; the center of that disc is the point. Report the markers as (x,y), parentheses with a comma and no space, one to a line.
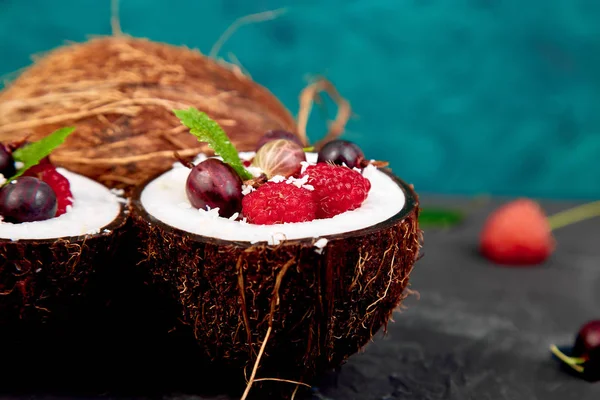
(314,292)
(45,265)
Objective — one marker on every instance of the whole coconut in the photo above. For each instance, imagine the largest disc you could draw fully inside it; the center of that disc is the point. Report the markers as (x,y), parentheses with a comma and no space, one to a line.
(119,92)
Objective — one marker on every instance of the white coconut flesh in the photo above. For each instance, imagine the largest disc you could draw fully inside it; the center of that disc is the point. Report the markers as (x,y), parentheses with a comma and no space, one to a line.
(94,207)
(165,199)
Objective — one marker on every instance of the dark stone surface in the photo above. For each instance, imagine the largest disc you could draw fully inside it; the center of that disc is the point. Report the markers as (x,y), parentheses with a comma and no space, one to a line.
(477,331)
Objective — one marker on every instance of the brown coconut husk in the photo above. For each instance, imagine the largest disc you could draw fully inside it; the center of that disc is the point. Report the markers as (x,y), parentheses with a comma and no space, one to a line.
(283,313)
(42,280)
(119,92)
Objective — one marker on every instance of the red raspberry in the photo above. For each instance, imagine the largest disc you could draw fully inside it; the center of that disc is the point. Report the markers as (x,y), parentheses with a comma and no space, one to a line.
(47,172)
(337,188)
(277,203)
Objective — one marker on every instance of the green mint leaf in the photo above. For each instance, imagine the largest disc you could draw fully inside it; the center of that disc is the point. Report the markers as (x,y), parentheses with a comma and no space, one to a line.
(438,217)
(31,154)
(209,131)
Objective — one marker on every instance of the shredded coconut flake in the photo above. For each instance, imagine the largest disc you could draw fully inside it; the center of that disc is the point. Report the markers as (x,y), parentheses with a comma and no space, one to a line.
(298,182)
(246,155)
(19,165)
(305,165)
(2,179)
(322,242)
(210,213)
(247,189)
(234,216)
(320,245)
(277,179)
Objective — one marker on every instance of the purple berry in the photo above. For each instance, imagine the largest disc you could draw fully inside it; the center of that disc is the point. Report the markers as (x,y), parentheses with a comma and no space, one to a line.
(587,346)
(588,339)
(7,163)
(27,199)
(278,134)
(215,184)
(341,152)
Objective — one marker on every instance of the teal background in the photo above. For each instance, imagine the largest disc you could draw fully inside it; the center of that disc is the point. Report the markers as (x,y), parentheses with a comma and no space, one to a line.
(463,97)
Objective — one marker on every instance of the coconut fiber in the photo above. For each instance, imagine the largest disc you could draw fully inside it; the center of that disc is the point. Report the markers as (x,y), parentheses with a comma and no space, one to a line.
(119,92)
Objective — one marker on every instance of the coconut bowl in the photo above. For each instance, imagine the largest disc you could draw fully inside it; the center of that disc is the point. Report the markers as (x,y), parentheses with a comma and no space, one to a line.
(302,307)
(48,278)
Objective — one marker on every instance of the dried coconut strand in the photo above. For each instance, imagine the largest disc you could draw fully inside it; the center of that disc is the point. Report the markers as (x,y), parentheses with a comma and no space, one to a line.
(161,199)
(94,207)
(247,189)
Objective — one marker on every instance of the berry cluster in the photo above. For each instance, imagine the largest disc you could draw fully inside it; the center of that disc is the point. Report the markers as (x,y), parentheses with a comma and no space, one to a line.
(40,193)
(285,192)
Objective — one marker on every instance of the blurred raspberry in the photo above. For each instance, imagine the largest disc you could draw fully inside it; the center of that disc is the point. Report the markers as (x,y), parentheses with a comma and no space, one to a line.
(517,233)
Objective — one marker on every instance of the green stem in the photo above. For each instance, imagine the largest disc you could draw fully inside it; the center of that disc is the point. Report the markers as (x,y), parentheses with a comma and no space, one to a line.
(575,214)
(572,362)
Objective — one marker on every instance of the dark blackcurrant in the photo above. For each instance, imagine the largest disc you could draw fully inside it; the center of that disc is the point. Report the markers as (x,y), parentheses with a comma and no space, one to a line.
(278,134)
(587,348)
(341,152)
(7,163)
(215,184)
(27,199)
(588,339)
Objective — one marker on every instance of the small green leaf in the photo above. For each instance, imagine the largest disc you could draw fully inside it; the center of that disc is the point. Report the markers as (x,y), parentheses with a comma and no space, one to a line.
(31,154)
(209,131)
(438,217)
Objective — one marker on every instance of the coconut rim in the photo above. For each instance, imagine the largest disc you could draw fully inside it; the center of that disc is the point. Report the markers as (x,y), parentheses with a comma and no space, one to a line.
(411,205)
(118,223)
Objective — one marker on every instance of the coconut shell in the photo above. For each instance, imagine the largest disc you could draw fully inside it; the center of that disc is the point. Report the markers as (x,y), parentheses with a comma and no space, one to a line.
(321,308)
(119,92)
(42,280)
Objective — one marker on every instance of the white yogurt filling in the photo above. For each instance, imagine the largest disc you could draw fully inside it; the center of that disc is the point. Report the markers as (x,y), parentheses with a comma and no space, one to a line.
(165,199)
(94,207)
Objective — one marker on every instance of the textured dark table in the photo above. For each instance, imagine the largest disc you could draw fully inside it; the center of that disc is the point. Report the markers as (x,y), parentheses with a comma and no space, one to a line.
(478,331)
